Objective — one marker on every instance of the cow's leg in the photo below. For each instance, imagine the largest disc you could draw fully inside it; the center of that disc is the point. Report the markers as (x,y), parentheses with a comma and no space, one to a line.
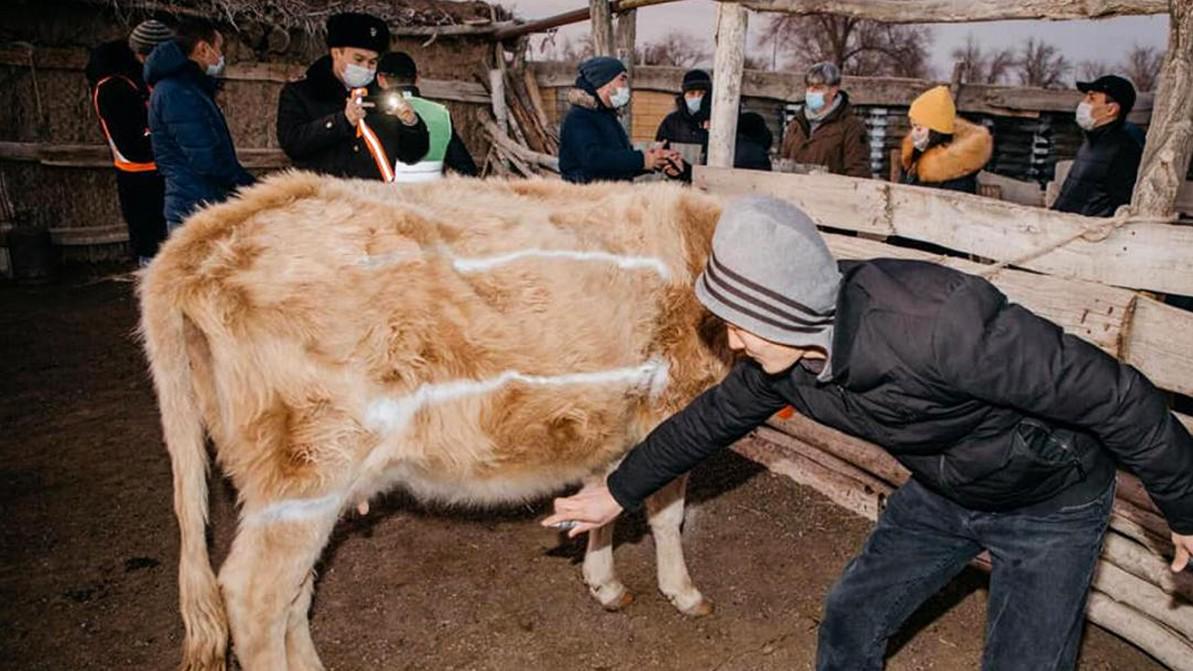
(266,574)
(300,649)
(664,509)
(598,565)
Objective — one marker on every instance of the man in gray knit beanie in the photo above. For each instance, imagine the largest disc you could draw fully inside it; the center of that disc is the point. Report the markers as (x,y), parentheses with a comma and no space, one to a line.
(1011,430)
(781,293)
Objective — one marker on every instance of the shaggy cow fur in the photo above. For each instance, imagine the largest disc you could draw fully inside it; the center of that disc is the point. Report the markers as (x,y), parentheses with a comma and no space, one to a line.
(473,342)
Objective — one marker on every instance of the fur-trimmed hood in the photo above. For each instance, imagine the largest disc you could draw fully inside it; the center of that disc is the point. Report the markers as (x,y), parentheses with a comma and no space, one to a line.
(581,98)
(967,153)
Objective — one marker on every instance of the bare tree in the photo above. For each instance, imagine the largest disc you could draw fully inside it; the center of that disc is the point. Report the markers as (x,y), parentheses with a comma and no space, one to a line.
(981,67)
(857,46)
(1142,67)
(1089,70)
(566,50)
(1040,64)
(676,48)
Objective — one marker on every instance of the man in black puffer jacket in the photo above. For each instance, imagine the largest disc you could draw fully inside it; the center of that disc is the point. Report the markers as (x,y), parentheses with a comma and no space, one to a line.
(1107,163)
(319,122)
(1010,428)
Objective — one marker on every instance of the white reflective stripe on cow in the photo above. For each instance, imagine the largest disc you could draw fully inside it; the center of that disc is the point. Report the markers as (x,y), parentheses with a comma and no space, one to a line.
(483,263)
(390,414)
(293,510)
(387,415)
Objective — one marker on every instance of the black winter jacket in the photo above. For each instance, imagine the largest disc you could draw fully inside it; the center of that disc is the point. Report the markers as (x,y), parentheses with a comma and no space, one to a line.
(683,126)
(316,135)
(593,146)
(986,403)
(1103,173)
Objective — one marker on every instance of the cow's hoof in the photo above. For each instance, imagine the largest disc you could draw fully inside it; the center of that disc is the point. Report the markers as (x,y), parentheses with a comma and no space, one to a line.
(620,602)
(701,608)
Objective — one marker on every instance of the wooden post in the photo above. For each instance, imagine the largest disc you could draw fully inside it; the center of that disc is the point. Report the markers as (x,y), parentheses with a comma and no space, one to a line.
(625,38)
(727,71)
(601,16)
(1170,135)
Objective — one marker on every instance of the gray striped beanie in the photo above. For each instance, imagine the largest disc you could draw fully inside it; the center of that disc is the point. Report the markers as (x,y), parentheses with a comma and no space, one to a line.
(770,273)
(147,35)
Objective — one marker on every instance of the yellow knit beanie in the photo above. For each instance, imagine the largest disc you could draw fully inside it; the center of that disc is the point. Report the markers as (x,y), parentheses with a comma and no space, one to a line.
(934,110)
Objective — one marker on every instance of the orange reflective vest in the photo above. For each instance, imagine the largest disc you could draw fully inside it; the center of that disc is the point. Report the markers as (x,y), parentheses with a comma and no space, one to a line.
(121,162)
(373,143)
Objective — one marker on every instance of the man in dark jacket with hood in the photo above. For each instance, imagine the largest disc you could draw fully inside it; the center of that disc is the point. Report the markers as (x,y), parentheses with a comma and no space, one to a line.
(593,145)
(1104,171)
(689,122)
(1010,427)
(324,128)
(121,100)
(826,132)
(191,141)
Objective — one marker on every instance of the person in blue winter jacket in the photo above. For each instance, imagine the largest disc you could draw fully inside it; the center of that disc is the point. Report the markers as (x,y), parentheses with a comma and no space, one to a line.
(191,142)
(593,145)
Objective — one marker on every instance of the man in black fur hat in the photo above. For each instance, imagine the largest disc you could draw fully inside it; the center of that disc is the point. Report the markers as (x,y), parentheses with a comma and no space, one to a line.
(325,122)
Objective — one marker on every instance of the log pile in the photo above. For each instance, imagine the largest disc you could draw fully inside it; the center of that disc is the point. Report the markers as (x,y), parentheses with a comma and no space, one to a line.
(524,141)
(1134,593)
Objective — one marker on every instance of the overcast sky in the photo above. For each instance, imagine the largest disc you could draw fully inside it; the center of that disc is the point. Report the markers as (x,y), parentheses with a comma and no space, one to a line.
(1105,40)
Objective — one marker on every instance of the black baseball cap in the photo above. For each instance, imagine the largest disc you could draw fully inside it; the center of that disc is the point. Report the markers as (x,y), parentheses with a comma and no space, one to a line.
(1119,89)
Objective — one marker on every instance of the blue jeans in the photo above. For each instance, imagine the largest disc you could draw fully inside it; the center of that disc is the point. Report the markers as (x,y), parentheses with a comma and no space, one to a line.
(1042,567)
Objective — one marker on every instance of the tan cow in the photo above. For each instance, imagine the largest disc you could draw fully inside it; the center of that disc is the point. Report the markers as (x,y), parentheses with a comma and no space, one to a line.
(473,342)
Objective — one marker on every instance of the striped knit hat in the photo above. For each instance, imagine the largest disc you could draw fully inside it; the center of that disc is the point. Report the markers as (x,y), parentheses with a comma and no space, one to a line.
(147,35)
(770,273)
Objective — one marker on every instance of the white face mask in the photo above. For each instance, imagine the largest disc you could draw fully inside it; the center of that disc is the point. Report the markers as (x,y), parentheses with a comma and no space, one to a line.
(217,69)
(694,104)
(620,97)
(1085,115)
(356,76)
(920,138)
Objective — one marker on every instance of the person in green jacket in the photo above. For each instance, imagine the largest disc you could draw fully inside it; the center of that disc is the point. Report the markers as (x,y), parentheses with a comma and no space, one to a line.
(398,73)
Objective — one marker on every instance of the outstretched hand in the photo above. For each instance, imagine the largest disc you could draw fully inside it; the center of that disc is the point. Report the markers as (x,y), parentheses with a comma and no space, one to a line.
(1184,547)
(590,508)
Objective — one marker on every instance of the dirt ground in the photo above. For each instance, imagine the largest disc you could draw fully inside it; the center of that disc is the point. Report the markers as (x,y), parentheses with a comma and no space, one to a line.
(89,546)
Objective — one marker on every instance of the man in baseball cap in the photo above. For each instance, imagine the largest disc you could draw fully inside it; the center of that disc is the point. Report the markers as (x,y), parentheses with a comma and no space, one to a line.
(1104,170)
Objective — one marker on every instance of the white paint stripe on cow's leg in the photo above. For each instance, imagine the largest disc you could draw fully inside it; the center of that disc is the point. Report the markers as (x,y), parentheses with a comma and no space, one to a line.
(626,261)
(294,510)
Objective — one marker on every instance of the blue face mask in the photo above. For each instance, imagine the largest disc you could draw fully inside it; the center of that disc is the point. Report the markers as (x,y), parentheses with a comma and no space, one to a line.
(693,104)
(814,100)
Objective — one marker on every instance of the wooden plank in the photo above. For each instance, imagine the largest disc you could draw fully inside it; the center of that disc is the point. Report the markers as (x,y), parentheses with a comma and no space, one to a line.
(726,95)
(1169,147)
(1014,190)
(52,58)
(1140,255)
(1159,344)
(962,11)
(865,91)
(1091,311)
(99,156)
(601,16)
(1140,330)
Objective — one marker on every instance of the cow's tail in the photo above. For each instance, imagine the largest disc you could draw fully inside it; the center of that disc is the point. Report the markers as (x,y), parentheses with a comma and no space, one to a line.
(165,330)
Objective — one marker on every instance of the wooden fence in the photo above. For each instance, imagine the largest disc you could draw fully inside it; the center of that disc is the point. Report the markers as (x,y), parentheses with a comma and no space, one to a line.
(1085,274)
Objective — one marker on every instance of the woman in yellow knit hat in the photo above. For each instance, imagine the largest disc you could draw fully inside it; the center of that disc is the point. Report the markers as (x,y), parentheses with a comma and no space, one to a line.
(943,150)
